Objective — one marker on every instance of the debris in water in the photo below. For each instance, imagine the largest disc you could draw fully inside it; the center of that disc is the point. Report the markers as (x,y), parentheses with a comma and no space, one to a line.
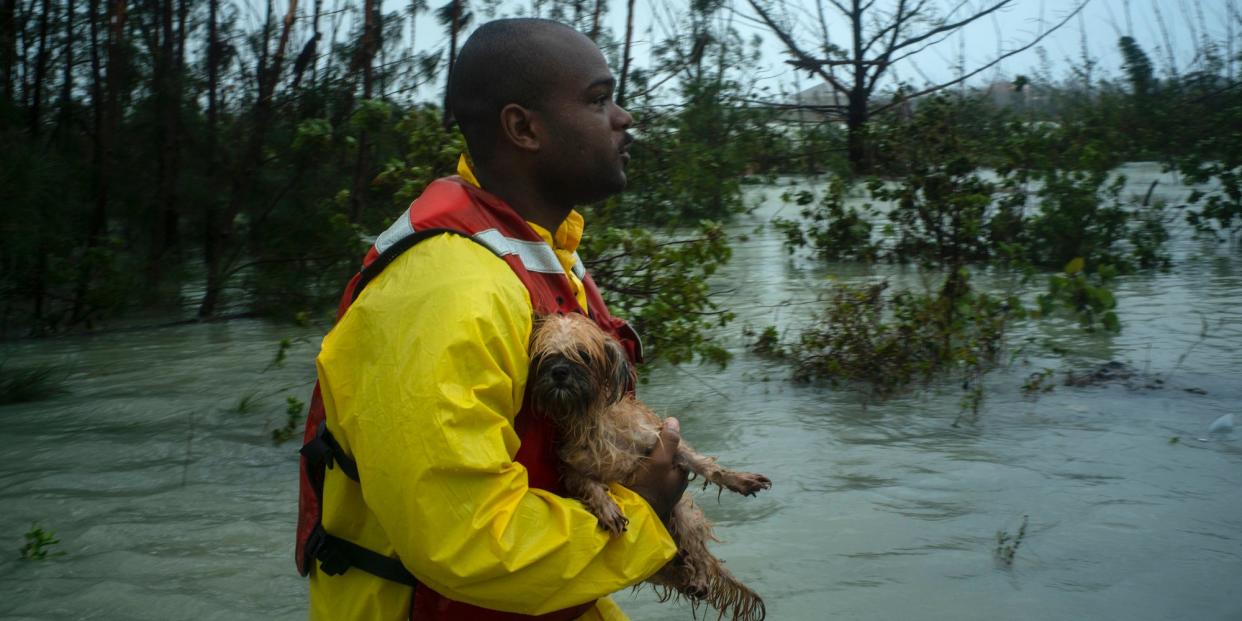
(1224,424)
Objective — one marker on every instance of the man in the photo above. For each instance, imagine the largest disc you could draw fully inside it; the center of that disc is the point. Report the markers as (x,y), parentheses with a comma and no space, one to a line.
(437,471)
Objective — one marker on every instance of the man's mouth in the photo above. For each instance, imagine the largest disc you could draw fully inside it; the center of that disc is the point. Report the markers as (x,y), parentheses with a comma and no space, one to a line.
(624,149)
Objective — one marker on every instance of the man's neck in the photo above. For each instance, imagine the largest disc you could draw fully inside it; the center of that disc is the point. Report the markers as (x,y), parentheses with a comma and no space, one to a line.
(524,198)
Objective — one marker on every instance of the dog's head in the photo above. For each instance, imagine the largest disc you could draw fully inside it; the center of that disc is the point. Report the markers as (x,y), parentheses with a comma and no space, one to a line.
(575,367)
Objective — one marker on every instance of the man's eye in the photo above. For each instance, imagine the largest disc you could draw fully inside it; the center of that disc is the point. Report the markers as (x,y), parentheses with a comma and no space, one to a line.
(602,100)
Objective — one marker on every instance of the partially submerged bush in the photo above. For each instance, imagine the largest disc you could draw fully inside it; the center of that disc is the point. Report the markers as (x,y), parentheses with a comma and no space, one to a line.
(889,341)
(1085,295)
(832,230)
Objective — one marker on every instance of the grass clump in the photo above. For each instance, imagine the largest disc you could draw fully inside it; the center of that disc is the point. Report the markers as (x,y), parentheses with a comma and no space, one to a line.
(1007,545)
(246,403)
(38,544)
(294,409)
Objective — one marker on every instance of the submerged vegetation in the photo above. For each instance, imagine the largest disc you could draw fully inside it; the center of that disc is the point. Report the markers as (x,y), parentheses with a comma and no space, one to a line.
(961,185)
(38,544)
(1007,545)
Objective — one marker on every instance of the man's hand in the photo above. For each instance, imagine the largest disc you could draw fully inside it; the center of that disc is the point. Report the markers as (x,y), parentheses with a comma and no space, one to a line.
(660,481)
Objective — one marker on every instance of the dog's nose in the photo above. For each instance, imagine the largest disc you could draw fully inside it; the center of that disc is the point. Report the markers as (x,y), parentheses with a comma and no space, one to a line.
(560,374)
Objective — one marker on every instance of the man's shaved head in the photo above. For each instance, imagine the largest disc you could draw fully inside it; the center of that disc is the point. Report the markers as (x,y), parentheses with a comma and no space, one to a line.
(504,61)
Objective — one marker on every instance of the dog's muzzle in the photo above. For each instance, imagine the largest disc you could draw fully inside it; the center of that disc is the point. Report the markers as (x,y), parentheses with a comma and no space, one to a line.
(560,386)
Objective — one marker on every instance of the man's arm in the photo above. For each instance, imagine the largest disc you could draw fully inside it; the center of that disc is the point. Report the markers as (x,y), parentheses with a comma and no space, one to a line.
(422,378)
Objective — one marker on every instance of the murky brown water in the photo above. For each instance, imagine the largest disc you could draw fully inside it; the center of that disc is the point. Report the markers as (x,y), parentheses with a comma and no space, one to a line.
(169,505)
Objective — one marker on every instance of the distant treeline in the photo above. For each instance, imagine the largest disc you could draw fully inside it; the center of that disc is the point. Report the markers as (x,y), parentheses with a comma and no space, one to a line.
(233,156)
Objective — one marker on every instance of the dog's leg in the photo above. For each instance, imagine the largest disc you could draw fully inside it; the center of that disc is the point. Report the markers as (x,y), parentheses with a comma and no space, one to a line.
(594,496)
(744,483)
(698,574)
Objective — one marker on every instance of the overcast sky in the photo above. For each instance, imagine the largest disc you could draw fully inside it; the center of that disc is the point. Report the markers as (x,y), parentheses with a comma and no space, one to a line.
(1096,28)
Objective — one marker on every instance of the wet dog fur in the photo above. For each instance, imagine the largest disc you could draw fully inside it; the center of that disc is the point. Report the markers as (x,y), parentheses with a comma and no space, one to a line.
(579,378)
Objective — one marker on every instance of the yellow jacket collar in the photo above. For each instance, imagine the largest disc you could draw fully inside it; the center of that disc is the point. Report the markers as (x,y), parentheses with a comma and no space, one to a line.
(568,234)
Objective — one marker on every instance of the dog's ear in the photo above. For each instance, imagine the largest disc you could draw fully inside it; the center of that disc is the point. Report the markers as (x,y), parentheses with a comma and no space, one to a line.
(619,366)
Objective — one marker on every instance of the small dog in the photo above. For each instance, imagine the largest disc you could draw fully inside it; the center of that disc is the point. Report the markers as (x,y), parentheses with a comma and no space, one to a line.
(579,378)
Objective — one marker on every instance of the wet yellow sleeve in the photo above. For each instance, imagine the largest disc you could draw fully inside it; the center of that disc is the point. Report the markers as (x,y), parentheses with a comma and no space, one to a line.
(421,380)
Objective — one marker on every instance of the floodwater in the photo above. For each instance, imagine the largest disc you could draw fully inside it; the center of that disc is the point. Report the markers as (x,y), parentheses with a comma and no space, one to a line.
(170,503)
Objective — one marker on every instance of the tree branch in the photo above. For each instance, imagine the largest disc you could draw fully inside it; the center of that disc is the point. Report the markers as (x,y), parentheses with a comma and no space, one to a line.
(956,25)
(989,65)
(806,61)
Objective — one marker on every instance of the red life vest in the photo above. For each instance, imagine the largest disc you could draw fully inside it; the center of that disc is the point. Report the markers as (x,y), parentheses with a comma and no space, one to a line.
(451,205)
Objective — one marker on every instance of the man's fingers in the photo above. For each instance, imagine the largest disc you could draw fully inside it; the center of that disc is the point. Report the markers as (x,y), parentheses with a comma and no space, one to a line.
(670,440)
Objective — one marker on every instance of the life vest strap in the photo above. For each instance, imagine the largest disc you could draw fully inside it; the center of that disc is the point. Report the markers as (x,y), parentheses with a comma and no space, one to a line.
(324,449)
(336,556)
(394,248)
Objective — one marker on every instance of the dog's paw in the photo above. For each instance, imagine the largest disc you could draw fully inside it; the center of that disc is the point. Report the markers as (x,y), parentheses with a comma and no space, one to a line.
(697,589)
(747,483)
(612,519)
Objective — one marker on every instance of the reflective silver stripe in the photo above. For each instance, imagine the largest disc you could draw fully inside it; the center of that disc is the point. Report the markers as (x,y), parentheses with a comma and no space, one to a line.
(579,270)
(395,233)
(535,256)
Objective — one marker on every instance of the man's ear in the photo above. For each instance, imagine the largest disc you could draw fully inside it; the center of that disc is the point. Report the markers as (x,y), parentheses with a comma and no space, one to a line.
(521,127)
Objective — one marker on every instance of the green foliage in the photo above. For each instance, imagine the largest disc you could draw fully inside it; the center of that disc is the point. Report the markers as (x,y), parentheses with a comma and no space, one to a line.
(833,230)
(282,352)
(660,286)
(768,343)
(38,544)
(20,385)
(1039,382)
(1051,198)
(1085,295)
(889,341)
(427,152)
(1073,222)
(1216,164)
(295,418)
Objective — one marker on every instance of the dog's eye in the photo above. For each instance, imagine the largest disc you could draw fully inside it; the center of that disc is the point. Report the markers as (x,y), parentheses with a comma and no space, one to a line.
(583,354)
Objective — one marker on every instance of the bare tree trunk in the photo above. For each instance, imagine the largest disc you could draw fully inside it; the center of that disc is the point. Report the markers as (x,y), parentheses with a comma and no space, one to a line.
(164,224)
(211,213)
(66,90)
(599,9)
(315,30)
(454,25)
(856,118)
(625,52)
(370,36)
(251,160)
(97,220)
(8,47)
(40,69)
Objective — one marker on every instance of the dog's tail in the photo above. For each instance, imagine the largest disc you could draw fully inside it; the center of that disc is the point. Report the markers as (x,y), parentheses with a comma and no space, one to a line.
(731,597)
(700,577)
(725,593)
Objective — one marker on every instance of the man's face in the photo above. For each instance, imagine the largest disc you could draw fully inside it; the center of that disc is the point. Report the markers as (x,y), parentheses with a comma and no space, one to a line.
(586,148)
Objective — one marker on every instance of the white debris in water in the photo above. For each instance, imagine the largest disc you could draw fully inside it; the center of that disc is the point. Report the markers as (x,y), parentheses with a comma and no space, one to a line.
(1224,424)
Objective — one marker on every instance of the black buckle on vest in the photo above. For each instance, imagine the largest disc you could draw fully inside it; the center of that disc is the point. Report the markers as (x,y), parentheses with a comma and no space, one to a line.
(336,556)
(324,449)
(332,560)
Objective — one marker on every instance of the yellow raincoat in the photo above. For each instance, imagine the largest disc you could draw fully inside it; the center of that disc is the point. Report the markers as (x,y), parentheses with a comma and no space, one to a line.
(421,380)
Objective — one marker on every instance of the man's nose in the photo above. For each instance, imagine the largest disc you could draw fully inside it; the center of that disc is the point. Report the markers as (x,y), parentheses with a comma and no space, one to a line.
(623,120)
